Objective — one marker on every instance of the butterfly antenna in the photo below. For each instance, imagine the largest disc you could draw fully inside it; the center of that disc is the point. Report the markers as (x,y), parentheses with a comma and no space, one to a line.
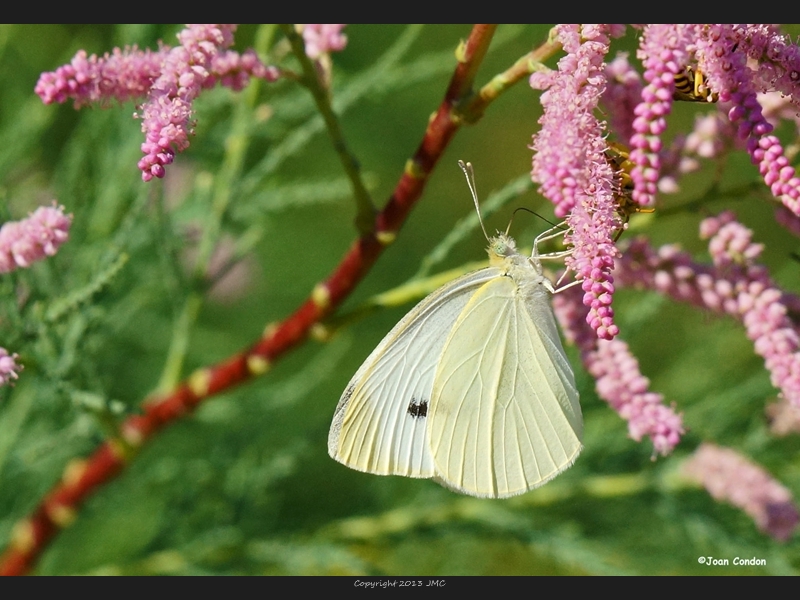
(470,175)
(533,212)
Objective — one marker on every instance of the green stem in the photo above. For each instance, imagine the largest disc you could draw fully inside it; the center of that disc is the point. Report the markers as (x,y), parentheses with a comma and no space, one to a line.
(179,344)
(222,191)
(365,216)
(474,107)
(460,509)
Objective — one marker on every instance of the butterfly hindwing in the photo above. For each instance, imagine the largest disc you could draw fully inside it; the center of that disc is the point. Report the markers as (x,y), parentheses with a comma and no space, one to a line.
(504,414)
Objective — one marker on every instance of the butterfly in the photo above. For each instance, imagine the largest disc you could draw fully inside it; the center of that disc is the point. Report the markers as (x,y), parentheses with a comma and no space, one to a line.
(472,388)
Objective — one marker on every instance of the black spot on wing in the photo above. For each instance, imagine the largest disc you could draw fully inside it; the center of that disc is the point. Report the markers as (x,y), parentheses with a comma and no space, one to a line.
(418,408)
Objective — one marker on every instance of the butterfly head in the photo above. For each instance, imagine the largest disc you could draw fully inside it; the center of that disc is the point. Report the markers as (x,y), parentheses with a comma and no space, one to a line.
(500,248)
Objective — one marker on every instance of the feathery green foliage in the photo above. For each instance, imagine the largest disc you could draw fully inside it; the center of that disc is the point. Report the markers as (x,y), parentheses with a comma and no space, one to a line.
(245,484)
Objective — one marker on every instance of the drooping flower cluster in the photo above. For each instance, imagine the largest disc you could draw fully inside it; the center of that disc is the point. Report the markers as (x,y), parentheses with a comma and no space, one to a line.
(735,285)
(170,79)
(728,71)
(749,294)
(621,383)
(618,379)
(730,477)
(166,115)
(29,240)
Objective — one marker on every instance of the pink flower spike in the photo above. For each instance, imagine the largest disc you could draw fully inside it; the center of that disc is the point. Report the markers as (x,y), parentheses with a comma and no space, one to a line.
(561,161)
(623,93)
(122,75)
(35,238)
(664,52)
(592,226)
(754,298)
(571,166)
(9,369)
(730,477)
(621,384)
(129,75)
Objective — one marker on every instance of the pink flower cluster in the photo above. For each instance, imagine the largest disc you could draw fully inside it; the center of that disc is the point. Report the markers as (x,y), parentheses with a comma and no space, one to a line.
(129,75)
(730,477)
(561,162)
(728,71)
(24,242)
(593,253)
(166,115)
(737,62)
(323,38)
(170,79)
(748,293)
(9,369)
(735,285)
(122,75)
(776,57)
(621,383)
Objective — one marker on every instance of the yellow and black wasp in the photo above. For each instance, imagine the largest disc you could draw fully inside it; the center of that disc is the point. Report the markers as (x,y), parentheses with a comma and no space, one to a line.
(619,159)
(692,86)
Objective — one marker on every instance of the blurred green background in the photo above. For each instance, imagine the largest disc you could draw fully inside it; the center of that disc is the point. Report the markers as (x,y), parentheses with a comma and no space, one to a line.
(245,485)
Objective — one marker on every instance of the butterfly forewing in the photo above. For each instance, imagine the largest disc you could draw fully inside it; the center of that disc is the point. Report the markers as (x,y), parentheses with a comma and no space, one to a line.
(504,414)
(380,422)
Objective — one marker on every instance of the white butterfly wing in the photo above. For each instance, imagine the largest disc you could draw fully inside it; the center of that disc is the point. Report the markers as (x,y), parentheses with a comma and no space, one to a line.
(380,421)
(505,416)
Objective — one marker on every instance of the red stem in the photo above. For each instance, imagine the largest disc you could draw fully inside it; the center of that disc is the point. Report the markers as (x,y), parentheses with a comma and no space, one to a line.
(83,477)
